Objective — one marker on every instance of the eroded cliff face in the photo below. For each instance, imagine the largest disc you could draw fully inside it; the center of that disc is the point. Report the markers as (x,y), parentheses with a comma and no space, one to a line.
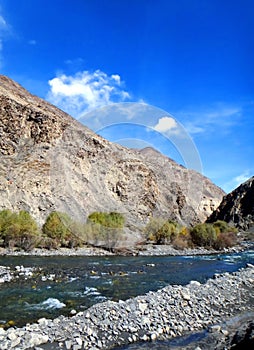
(237,207)
(49,161)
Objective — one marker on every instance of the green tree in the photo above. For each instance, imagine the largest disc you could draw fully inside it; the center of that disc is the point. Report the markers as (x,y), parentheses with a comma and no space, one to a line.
(204,235)
(5,220)
(60,230)
(56,227)
(162,231)
(111,220)
(105,229)
(222,227)
(153,227)
(18,229)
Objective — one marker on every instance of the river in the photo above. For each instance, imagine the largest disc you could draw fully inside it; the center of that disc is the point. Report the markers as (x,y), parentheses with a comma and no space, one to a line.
(61,284)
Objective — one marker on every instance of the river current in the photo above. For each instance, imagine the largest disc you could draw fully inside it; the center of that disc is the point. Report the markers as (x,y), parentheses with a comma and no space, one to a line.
(61,284)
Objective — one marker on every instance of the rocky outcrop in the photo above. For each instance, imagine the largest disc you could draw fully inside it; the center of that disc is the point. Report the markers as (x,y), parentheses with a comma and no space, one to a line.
(49,161)
(237,207)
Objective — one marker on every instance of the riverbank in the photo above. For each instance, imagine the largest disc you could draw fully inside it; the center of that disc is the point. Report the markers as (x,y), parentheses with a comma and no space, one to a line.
(167,313)
(144,250)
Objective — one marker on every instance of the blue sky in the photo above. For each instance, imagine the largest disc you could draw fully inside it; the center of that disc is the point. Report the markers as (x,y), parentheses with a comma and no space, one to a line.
(192,60)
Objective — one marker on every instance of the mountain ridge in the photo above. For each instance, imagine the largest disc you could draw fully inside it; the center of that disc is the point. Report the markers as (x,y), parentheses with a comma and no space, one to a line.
(237,207)
(49,161)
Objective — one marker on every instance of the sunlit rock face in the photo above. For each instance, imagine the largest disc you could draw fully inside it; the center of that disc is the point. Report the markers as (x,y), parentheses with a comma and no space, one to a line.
(238,206)
(49,161)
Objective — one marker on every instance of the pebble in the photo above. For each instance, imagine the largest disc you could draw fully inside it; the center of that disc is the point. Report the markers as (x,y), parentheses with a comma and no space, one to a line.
(153,336)
(169,312)
(142,307)
(225,332)
(214,329)
(6,274)
(147,250)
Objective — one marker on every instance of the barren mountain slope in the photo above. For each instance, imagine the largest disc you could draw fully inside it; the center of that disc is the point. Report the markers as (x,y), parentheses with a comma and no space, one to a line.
(49,161)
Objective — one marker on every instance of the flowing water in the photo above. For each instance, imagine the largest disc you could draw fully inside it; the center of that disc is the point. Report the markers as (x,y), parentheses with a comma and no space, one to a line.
(61,284)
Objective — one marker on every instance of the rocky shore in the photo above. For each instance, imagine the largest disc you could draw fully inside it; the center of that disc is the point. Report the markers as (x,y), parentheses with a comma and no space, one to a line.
(144,250)
(170,312)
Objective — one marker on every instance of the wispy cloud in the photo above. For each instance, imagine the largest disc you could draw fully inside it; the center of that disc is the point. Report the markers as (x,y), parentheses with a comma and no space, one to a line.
(86,91)
(219,117)
(3,23)
(32,42)
(237,180)
(4,28)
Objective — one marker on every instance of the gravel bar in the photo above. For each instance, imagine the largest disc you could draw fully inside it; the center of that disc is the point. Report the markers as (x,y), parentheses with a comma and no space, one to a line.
(172,311)
(145,250)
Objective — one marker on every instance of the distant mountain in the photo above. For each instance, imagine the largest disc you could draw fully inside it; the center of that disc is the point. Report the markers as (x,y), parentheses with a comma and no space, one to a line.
(237,207)
(49,161)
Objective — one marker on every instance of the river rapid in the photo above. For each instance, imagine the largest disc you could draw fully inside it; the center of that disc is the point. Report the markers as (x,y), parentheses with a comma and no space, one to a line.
(60,284)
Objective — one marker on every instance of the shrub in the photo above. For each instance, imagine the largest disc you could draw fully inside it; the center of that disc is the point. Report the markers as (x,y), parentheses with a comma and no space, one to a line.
(225,240)
(162,231)
(48,243)
(183,239)
(218,235)
(152,228)
(180,243)
(204,235)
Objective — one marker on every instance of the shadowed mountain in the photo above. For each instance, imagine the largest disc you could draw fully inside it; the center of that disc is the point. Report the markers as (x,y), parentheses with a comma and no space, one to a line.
(237,207)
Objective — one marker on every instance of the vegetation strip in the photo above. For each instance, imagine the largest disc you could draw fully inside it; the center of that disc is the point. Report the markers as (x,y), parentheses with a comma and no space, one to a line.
(106,230)
(169,312)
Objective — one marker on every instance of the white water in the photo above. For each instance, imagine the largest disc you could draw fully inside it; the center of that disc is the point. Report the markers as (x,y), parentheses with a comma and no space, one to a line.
(50,303)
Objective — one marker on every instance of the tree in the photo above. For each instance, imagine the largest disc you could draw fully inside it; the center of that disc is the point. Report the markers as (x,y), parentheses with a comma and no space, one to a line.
(162,231)
(111,220)
(222,227)
(105,229)
(18,229)
(204,235)
(60,230)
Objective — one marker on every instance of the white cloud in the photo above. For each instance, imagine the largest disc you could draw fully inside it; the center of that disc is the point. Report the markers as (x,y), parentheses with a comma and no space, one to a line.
(117,78)
(86,91)
(139,121)
(165,124)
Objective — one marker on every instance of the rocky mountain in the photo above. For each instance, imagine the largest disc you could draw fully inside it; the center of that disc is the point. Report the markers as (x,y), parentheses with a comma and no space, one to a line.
(237,207)
(49,161)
